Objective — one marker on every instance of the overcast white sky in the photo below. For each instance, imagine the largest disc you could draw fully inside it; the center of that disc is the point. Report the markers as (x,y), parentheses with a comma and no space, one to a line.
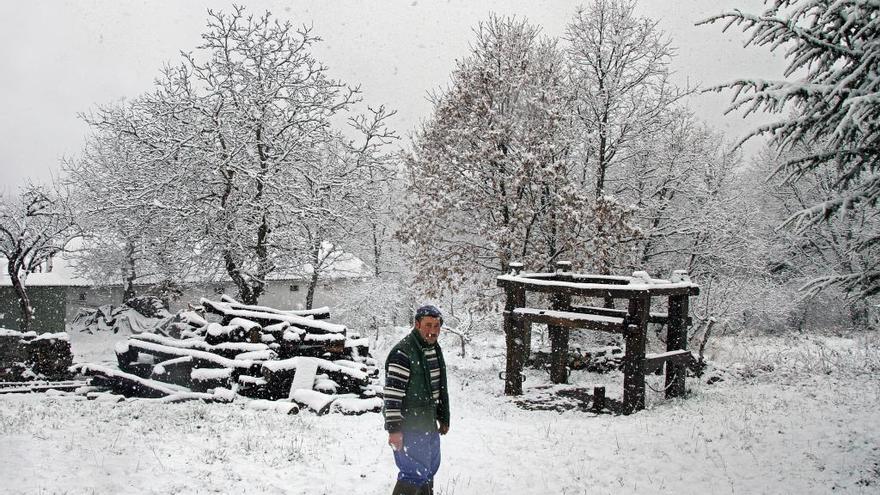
(58,58)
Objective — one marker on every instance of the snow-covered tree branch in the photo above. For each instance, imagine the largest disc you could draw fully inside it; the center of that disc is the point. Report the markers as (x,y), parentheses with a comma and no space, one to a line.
(833,54)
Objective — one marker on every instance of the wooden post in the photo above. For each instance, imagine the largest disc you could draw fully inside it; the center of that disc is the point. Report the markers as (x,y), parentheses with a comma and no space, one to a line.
(514,336)
(526,329)
(559,335)
(634,359)
(598,398)
(676,339)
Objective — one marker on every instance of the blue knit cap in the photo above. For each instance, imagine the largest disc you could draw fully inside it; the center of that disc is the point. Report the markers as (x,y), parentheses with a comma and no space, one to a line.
(428,310)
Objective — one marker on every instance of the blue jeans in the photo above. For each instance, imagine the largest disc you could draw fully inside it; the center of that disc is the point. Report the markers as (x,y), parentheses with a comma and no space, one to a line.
(419,459)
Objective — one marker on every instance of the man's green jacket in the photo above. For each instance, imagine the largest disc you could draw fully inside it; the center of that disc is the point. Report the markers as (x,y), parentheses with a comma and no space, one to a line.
(416,396)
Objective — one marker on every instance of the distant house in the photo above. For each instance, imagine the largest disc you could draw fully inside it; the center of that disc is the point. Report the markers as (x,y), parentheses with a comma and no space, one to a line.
(57,293)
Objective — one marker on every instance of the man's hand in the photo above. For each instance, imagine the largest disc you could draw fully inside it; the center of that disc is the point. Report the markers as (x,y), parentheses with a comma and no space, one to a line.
(395,440)
(444,428)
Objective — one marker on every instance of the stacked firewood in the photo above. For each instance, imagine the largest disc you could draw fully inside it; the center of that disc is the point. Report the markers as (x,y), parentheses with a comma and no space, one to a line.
(30,356)
(226,350)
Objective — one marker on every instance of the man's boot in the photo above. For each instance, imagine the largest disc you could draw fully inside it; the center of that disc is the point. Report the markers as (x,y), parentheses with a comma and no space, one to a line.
(404,488)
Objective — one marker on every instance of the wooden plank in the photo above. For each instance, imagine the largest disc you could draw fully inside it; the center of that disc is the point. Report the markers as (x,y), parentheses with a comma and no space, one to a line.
(126,383)
(596,310)
(582,290)
(654,362)
(304,376)
(657,318)
(24,387)
(39,382)
(569,319)
(604,290)
(568,276)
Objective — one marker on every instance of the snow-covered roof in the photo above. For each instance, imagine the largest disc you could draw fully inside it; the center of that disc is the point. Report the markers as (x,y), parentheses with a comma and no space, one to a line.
(341,265)
(63,274)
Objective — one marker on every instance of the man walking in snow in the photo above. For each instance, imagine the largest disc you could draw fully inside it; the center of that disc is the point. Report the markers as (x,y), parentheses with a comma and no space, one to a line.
(417,404)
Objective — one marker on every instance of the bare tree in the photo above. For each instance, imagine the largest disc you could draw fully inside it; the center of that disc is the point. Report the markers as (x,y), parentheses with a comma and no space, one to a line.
(118,191)
(619,73)
(248,175)
(341,194)
(489,174)
(34,226)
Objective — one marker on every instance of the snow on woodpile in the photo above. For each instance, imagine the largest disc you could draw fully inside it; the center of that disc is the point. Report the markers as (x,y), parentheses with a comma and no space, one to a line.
(226,351)
(27,356)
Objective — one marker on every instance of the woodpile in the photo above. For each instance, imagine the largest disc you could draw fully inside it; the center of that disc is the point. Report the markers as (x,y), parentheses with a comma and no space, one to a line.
(595,360)
(31,356)
(224,350)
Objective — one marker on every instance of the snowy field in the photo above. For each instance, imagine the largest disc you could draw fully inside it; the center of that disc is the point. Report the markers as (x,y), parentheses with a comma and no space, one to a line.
(794,415)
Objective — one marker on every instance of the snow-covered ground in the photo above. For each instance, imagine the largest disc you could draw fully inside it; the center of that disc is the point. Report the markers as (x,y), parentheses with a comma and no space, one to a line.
(795,415)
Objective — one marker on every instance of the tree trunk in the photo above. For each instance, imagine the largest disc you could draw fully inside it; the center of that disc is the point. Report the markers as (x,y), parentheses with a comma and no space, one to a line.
(858,314)
(310,294)
(24,303)
(377,250)
(313,281)
(248,291)
(130,274)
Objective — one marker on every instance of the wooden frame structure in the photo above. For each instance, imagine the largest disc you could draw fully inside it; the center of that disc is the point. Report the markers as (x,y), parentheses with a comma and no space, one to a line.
(632,323)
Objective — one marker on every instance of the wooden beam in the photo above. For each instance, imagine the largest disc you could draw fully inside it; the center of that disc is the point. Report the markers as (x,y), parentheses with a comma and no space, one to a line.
(663,319)
(569,319)
(604,290)
(654,362)
(658,318)
(39,386)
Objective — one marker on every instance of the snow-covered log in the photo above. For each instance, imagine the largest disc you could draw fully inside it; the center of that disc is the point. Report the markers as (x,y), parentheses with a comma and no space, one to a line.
(282,407)
(176,371)
(254,387)
(264,318)
(322,313)
(226,349)
(201,359)
(279,375)
(205,379)
(356,405)
(316,401)
(323,383)
(238,330)
(127,383)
